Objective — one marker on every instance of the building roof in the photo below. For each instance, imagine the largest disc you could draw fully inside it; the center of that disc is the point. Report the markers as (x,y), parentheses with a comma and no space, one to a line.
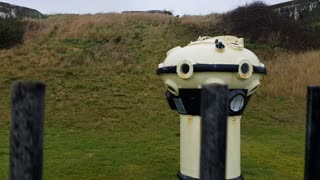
(290,3)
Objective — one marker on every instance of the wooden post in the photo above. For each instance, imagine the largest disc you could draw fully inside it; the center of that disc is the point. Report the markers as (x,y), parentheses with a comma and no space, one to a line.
(27,119)
(214,113)
(312,156)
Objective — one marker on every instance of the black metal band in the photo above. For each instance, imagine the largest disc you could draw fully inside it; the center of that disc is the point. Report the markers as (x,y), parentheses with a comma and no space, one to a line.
(167,70)
(184,177)
(189,101)
(238,178)
(259,69)
(215,68)
(211,68)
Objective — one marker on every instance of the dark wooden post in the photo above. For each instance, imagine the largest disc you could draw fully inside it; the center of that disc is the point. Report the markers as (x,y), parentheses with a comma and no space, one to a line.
(312,157)
(214,113)
(27,119)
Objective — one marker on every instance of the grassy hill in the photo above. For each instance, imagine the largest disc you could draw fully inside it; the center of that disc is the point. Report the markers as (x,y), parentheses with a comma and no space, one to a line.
(106,114)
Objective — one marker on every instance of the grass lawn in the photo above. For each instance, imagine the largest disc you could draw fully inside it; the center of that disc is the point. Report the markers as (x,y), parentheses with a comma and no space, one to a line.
(273,138)
(106,113)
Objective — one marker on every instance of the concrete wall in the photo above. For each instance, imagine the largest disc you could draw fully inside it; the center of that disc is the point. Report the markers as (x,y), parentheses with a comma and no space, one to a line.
(296,9)
(9,10)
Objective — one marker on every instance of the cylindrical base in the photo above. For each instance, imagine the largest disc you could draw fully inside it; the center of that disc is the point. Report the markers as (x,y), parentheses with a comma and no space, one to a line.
(190,140)
(233,169)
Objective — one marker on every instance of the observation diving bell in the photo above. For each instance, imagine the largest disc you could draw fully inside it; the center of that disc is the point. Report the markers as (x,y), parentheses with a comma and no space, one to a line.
(209,60)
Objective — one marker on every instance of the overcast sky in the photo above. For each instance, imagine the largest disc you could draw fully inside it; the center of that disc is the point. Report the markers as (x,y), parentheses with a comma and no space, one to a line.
(178,7)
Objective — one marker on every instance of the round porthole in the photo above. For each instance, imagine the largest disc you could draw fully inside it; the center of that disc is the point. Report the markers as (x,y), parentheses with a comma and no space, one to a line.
(237,103)
(245,70)
(185,69)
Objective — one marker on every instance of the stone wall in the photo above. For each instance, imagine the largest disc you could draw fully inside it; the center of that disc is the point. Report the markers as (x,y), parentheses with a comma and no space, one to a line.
(9,10)
(296,9)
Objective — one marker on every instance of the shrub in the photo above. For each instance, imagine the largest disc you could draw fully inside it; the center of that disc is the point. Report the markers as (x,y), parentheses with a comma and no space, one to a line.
(259,23)
(311,20)
(11,32)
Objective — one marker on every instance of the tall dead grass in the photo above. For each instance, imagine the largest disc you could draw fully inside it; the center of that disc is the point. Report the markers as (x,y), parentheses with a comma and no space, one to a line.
(207,21)
(289,74)
(73,26)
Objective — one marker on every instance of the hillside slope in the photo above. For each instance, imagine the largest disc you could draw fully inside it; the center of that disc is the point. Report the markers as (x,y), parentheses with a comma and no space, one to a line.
(96,59)
(106,114)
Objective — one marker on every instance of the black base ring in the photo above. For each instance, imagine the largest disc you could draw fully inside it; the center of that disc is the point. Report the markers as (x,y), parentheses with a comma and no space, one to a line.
(184,177)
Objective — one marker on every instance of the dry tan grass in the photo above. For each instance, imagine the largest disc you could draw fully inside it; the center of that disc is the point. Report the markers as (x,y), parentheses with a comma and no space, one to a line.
(72,26)
(289,74)
(201,21)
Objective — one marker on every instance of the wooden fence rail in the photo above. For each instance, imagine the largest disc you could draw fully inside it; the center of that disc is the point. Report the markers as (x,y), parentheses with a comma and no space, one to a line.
(312,157)
(26,141)
(214,113)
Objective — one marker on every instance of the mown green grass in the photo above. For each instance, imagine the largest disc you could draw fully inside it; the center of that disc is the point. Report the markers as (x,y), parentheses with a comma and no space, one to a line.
(270,149)
(273,138)
(98,154)
(106,114)
(272,146)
